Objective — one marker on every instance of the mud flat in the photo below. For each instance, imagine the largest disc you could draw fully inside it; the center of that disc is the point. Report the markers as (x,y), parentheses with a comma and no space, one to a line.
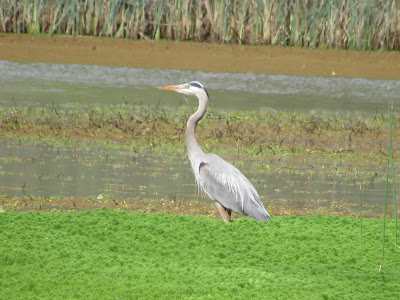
(199,56)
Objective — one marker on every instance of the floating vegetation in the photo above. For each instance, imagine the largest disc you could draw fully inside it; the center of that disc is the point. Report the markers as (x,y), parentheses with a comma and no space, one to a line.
(335,24)
(120,255)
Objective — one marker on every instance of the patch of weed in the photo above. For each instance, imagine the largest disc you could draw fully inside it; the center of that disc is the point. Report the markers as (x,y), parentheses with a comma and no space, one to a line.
(113,254)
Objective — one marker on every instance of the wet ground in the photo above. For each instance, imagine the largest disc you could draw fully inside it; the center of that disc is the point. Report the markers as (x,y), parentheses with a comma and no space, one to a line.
(76,188)
(92,175)
(199,56)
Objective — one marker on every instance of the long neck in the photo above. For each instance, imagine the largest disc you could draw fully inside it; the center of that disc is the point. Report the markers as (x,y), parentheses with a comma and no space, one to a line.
(191,141)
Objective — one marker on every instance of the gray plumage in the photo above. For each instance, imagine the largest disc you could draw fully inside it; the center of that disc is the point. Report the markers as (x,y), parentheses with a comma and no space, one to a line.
(221,181)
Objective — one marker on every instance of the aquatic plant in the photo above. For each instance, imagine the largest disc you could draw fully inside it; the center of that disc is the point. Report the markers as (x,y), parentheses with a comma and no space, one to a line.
(390,166)
(336,24)
(114,254)
(360,210)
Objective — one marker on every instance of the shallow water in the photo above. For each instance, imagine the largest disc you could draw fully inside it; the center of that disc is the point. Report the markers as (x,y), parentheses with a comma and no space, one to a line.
(112,170)
(44,83)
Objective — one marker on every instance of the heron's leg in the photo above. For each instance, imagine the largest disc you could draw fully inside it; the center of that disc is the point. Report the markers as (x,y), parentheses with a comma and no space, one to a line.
(223,213)
(229,214)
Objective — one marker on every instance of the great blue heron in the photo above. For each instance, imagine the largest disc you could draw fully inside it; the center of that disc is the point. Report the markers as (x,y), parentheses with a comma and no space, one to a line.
(221,181)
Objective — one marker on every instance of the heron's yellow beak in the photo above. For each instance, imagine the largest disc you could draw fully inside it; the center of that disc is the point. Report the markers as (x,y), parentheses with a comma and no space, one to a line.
(169,88)
(177,88)
(181,88)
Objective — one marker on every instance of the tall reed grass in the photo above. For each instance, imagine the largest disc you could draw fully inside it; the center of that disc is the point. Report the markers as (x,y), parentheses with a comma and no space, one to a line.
(364,25)
(390,166)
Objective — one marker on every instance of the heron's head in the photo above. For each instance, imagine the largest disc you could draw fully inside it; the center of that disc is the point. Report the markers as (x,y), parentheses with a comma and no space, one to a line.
(190,88)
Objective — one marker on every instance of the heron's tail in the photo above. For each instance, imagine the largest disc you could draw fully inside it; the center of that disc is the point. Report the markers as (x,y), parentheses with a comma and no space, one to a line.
(260,215)
(255,209)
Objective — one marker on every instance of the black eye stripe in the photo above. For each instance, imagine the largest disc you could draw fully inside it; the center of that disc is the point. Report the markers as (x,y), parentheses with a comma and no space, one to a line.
(199,85)
(196,85)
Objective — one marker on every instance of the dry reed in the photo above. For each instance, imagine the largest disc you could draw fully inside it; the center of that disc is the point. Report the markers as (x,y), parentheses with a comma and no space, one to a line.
(363,25)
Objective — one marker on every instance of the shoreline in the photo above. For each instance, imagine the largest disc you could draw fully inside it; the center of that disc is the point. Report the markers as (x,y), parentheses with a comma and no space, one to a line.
(199,56)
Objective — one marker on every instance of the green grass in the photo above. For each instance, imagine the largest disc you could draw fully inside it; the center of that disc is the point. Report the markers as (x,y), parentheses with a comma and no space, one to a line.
(117,255)
(364,25)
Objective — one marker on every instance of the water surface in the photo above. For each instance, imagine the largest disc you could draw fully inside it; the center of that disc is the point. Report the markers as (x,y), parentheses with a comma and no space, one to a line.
(98,171)
(44,83)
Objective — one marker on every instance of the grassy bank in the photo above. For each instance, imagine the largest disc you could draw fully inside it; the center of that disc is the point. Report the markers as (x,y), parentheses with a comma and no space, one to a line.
(350,24)
(112,254)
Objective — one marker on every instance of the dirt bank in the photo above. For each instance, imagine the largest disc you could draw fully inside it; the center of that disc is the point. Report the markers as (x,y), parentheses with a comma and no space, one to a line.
(199,56)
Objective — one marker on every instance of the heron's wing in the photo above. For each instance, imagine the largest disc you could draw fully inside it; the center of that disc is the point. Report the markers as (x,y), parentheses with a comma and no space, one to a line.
(226,185)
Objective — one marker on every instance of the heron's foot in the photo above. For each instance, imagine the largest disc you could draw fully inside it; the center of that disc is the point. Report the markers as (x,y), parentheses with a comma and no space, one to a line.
(224,213)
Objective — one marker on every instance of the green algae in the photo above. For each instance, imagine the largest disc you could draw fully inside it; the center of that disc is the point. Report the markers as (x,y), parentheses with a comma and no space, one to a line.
(106,254)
